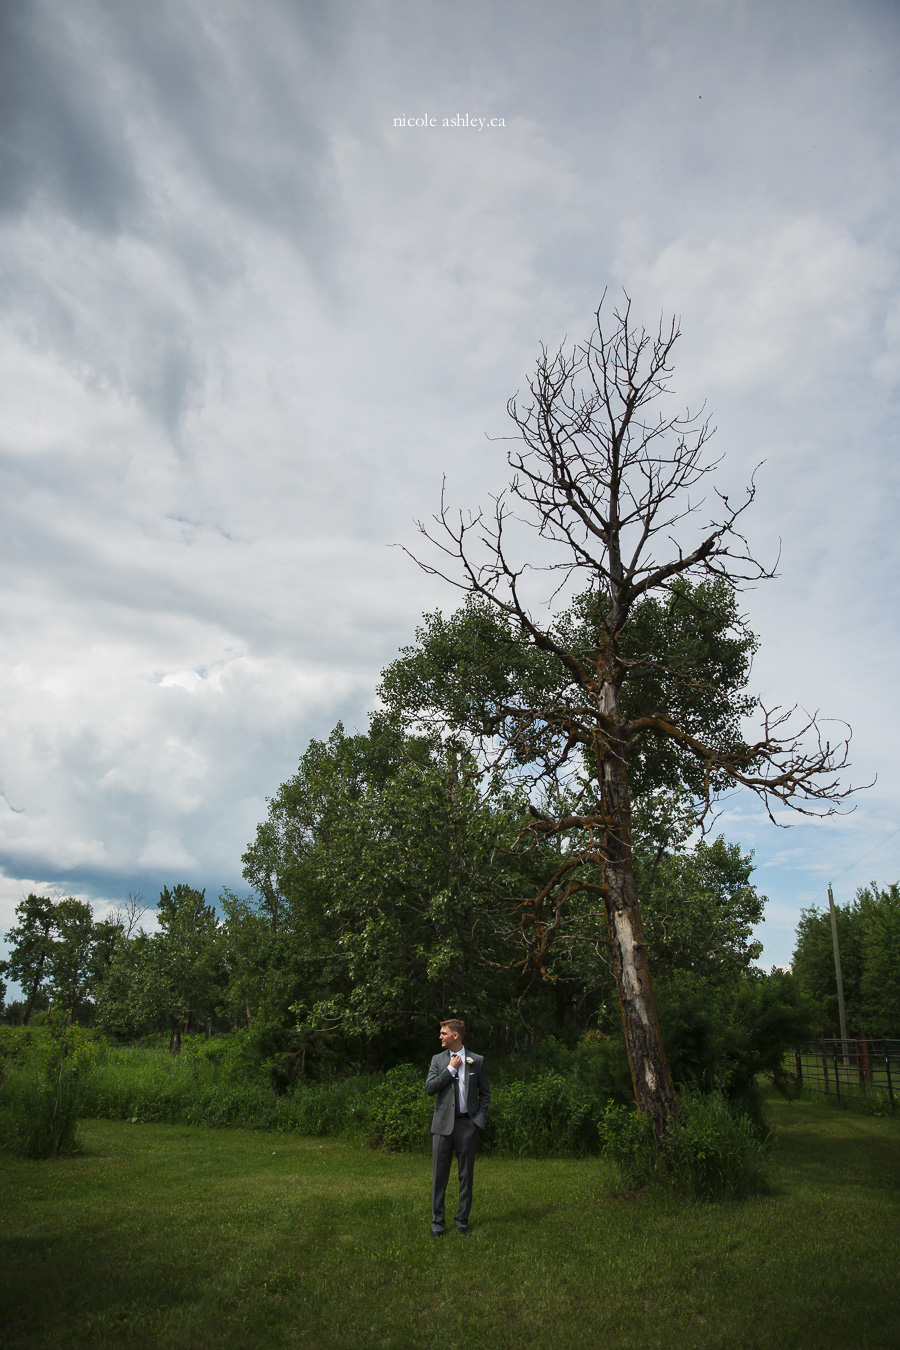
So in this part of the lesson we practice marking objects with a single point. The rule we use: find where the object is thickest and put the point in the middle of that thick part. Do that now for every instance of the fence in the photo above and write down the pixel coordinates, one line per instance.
(849, 1069)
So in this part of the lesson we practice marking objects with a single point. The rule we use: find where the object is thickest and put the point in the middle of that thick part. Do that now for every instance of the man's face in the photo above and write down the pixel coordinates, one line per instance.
(450, 1040)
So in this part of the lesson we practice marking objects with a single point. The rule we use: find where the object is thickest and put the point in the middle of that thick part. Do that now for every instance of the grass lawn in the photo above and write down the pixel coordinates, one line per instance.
(164, 1235)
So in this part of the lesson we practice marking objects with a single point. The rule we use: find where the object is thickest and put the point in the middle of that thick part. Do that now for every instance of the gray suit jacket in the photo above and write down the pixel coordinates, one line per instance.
(441, 1083)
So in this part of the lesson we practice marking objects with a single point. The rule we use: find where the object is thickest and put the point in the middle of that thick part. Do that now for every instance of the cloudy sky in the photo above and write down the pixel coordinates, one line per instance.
(248, 323)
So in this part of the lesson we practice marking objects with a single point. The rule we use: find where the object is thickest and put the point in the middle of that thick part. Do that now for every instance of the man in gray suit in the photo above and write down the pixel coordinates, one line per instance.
(460, 1084)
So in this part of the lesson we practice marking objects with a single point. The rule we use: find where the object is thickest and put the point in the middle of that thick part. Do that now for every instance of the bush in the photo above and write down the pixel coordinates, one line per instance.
(341, 1107)
(40, 1110)
(42, 1088)
(399, 1111)
(546, 1115)
(715, 1152)
(627, 1141)
(712, 1152)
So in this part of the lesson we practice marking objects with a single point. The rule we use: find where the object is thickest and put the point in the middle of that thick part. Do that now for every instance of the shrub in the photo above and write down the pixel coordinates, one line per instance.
(399, 1111)
(712, 1152)
(628, 1144)
(41, 1091)
(546, 1115)
(39, 1115)
(339, 1107)
(715, 1152)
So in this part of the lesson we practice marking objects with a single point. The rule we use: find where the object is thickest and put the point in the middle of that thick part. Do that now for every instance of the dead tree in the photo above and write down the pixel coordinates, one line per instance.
(606, 478)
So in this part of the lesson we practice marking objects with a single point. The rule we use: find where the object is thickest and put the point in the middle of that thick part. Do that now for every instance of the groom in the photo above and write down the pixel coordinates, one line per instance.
(460, 1084)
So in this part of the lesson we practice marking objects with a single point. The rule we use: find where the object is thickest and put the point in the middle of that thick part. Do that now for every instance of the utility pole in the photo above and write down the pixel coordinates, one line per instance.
(837, 966)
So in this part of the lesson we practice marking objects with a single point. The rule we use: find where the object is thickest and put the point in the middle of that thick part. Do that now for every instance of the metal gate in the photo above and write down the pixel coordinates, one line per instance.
(858, 1067)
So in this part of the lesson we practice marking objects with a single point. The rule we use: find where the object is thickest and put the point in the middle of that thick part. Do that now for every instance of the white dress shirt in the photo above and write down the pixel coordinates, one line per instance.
(460, 1076)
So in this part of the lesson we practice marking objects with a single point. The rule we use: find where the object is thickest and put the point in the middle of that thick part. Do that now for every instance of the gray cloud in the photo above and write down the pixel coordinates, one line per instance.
(249, 324)
(58, 144)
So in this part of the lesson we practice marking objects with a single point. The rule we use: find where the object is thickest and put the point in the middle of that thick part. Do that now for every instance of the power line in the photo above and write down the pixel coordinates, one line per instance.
(823, 890)
(866, 855)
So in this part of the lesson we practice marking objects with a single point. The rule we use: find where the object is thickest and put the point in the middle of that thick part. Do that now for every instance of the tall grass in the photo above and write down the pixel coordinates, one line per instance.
(548, 1113)
(191, 1089)
(42, 1089)
(562, 1106)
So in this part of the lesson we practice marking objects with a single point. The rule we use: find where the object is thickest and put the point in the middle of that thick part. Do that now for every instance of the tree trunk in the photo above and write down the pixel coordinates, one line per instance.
(175, 1040)
(30, 1007)
(654, 1090)
(559, 1009)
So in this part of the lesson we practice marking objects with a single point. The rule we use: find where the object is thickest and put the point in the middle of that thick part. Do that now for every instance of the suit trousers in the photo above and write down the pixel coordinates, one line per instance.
(443, 1146)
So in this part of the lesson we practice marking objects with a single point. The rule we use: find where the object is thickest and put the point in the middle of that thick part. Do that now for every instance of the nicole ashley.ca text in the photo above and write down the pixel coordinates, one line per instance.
(457, 120)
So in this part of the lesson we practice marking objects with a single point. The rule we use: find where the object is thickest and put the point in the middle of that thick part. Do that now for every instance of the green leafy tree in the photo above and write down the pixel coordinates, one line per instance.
(57, 953)
(31, 948)
(604, 476)
(881, 958)
(388, 868)
(700, 909)
(172, 979)
(186, 960)
(131, 995)
(71, 953)
(813, 962)
(724, 1035)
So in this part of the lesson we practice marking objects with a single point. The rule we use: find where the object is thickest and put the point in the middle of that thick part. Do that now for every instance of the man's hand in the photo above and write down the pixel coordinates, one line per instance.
(455, 1061)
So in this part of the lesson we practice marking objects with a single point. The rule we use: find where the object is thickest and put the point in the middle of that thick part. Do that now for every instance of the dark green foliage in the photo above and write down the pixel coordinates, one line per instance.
(212, 1083)
(389, 887)
(383, 862)
(688, 656)
(881, 959)
(57, 953)
(712, 1152)
(542, 1116)
(15, 1010)
(173, 978)
(722, 1039)
(699, 908)
(42, 1076)
(31, 948)
(399, 1110)
(869, 936)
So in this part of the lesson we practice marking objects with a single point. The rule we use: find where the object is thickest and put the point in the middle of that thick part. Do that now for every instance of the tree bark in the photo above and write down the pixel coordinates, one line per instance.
(34, 993)
(651, 1077)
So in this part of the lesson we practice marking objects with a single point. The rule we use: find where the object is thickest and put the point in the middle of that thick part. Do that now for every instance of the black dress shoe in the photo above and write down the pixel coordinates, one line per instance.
(437, 1233)
(463, 1232)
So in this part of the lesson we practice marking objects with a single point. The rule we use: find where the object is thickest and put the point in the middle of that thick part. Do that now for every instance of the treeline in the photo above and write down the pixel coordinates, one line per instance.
(869, 941)
(398, 877)
(388, 891)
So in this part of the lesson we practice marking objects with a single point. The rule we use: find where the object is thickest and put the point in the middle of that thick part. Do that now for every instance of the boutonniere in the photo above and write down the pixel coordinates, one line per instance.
(469, 1059)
